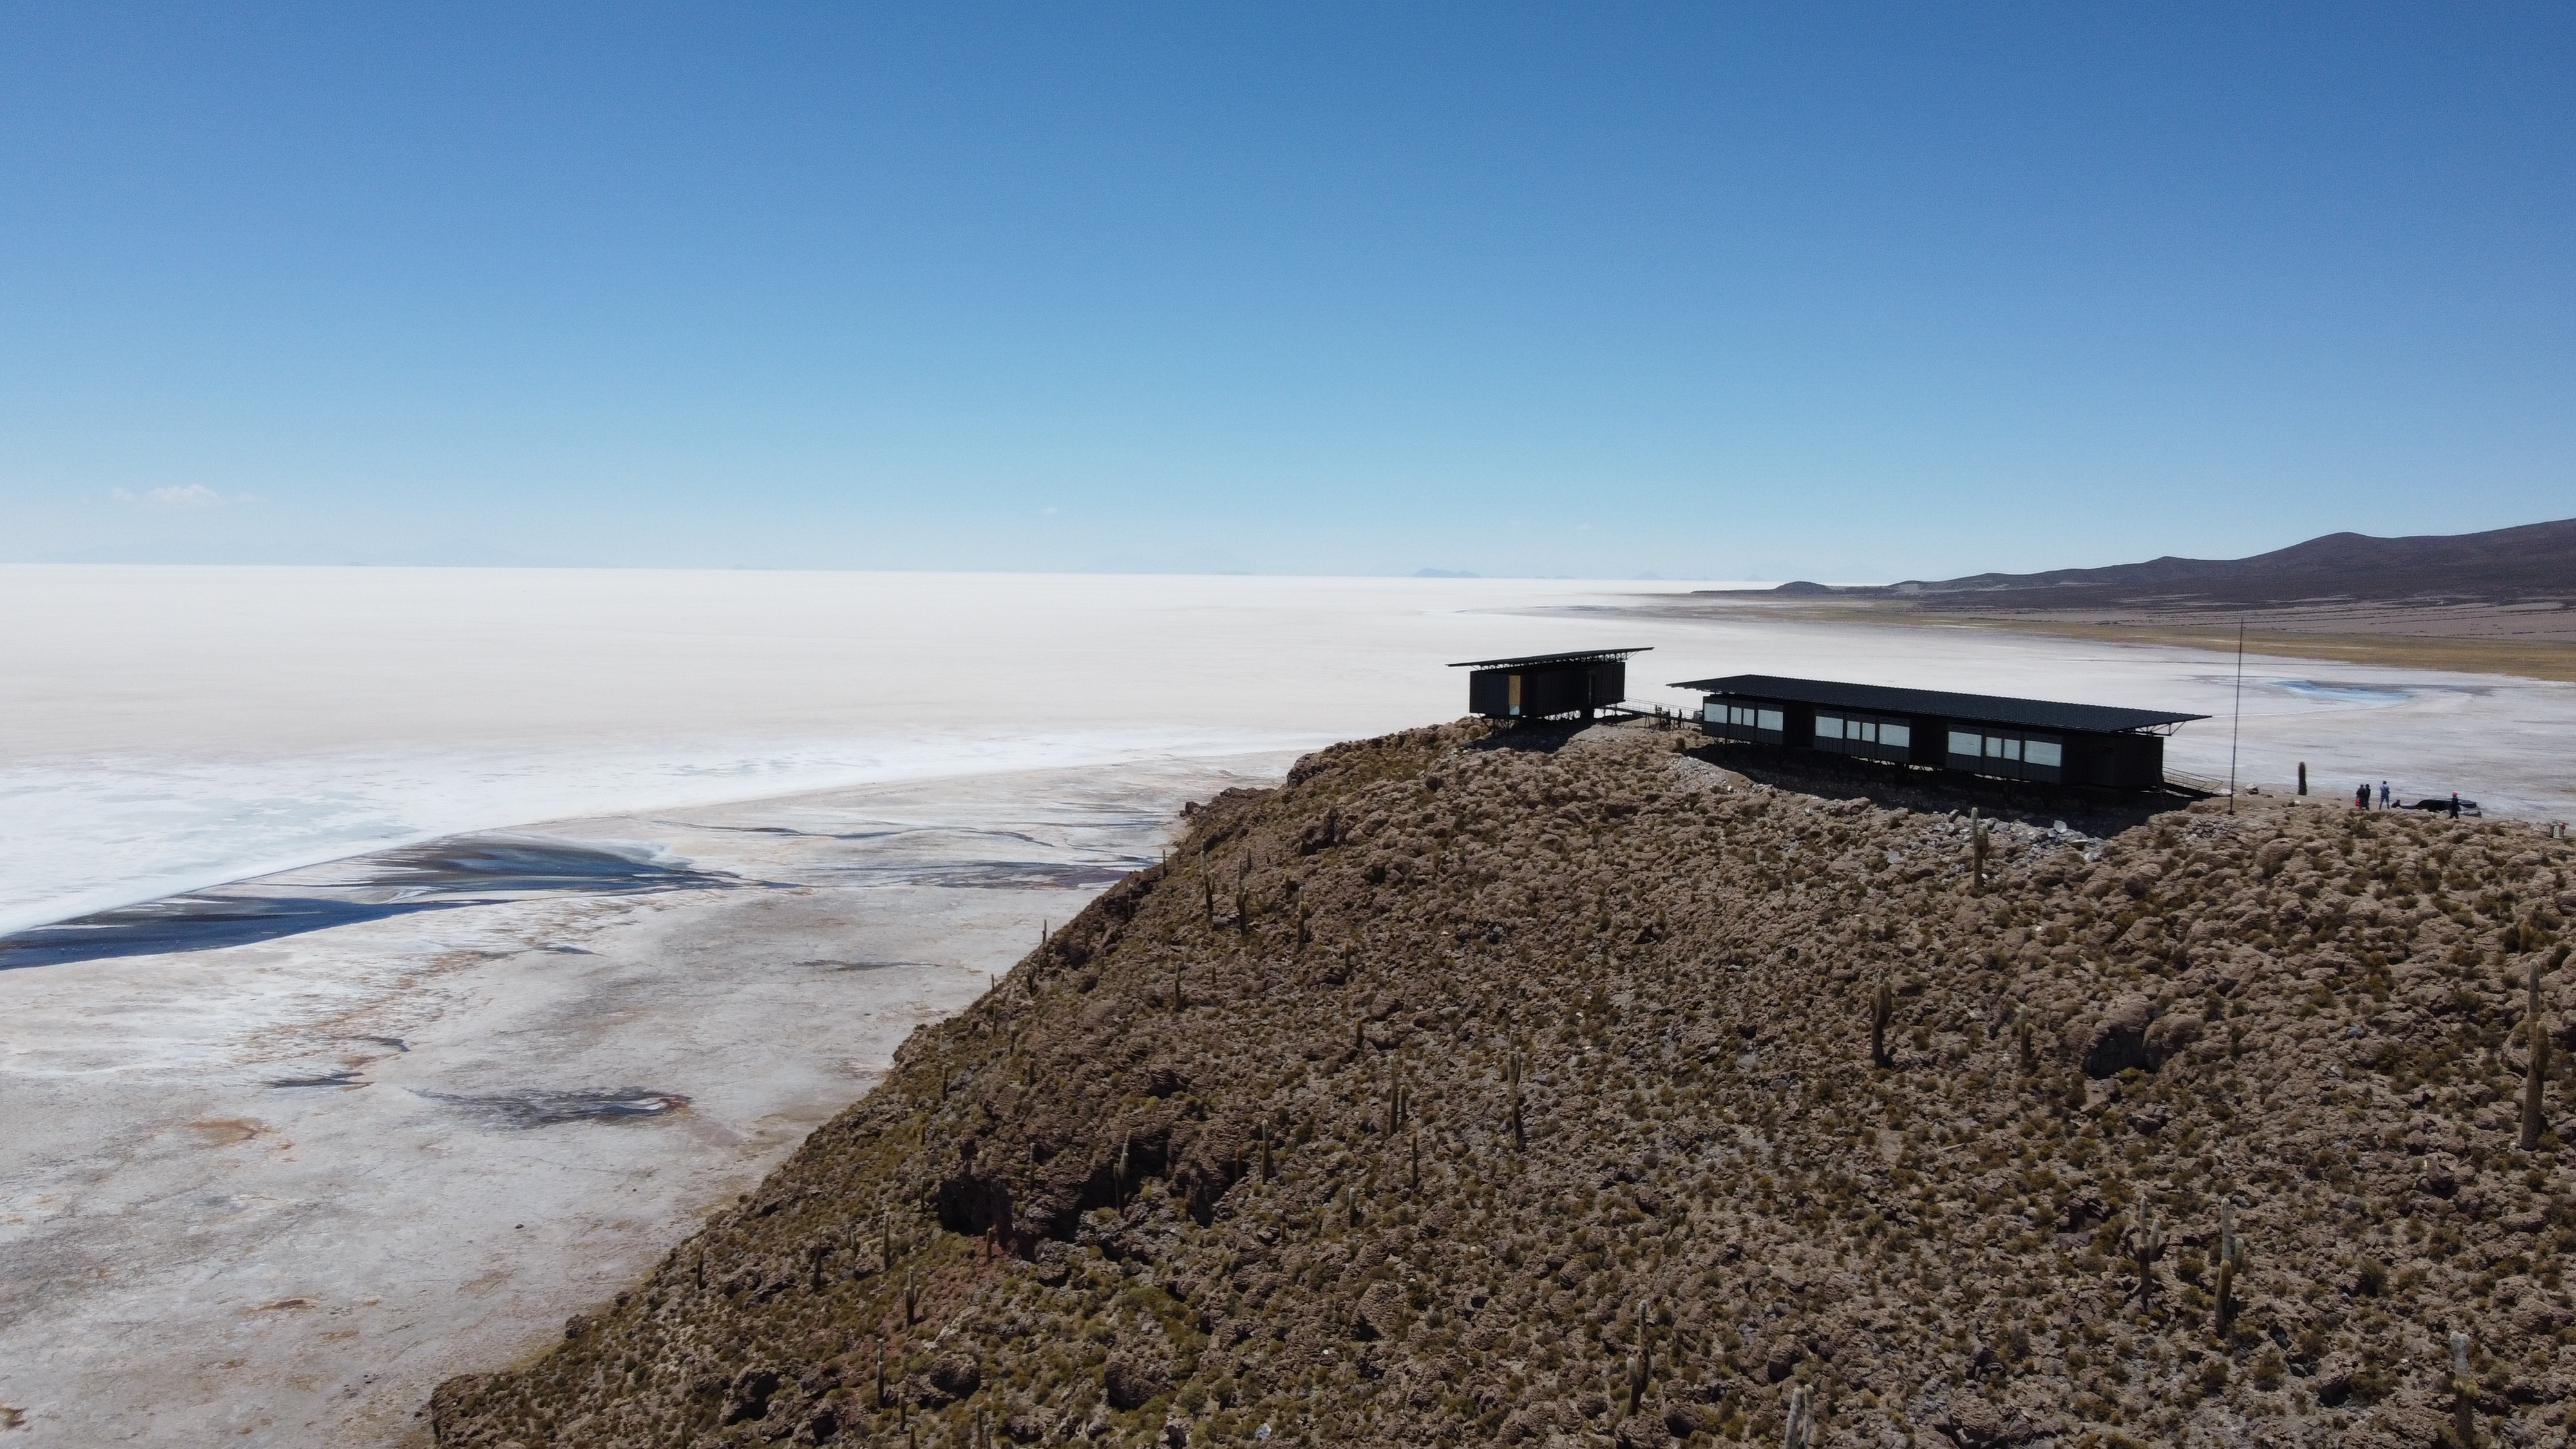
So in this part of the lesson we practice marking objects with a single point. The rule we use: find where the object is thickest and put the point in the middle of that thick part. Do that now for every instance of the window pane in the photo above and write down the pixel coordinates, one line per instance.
(1963, 743)
(1710, 711)
(1995, 746)
(2044, 752)
(2012, 749)
(1771, 720)
(1829, 727)
(1900, 736)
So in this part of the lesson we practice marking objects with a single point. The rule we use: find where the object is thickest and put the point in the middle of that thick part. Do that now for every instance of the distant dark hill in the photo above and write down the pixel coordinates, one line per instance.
(2506, 565)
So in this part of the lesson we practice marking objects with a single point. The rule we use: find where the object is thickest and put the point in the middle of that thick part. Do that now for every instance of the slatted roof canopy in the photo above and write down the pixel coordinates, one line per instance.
(2042, 714)
(1579, 656)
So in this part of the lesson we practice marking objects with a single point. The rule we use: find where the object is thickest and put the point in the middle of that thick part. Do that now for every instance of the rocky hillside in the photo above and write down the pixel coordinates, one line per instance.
(1536, 1089)
(2534, 562)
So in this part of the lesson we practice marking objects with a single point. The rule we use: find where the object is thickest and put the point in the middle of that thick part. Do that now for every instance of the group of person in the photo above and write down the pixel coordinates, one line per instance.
(2361, 798)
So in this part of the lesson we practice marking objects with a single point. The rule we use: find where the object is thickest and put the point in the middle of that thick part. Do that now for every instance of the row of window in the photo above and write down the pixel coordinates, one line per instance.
(1894, 734)
(1885, 732)
(1744, 715)
(2048, 754)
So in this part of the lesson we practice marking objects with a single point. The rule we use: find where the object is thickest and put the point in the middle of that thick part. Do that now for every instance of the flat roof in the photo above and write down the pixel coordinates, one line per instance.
(2046, 714)
(1579, 656)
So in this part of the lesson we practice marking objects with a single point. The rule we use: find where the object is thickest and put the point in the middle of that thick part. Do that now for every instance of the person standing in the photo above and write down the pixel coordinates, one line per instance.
(2361, 796)
(2383, 794)
(2455, 804)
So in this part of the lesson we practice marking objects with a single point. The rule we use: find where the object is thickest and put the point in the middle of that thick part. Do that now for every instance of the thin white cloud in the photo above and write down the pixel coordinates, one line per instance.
(191, 495)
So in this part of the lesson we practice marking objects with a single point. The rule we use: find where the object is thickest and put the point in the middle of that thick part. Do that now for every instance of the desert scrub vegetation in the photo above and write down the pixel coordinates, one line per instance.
(1476, 1088)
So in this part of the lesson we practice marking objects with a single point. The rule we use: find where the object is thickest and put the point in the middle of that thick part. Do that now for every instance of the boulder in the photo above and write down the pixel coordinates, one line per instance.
(1131, 1380)
(2117, 1039)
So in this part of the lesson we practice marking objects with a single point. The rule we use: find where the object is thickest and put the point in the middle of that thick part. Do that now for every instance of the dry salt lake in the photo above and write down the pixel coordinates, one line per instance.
(394, 962)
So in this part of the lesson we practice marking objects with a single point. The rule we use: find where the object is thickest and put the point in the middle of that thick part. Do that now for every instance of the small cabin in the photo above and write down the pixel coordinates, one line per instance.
(1546, 686)
(2039, 740)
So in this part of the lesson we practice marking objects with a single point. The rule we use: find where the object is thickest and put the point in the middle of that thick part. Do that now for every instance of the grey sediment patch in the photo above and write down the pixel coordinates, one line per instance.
(988, 874)
(543, 1109)
(464, 870)
(345, 1078)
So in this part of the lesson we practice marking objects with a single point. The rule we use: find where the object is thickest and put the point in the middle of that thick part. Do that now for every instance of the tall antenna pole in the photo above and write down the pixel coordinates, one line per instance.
(2238, 723)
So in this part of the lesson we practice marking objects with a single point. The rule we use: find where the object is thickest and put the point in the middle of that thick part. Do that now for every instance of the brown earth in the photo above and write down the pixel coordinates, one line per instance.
(2349, 574)
(1522, 1088)
(2499, 602)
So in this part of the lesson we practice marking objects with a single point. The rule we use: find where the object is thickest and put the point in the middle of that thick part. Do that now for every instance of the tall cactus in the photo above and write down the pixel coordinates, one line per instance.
(1980, 844)
(2464, 1408)
(1801, 1422)
(2231, 1266)
(1641, 1364)
(2535, 1074)
(1882, 1010)
(2146, 1245)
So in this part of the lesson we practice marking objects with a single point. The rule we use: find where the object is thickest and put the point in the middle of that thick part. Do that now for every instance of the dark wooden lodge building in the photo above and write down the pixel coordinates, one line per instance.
(1541, 685)
(1979, 734)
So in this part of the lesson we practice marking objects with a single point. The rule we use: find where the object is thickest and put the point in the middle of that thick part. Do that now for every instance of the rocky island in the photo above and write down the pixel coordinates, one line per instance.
(1602, 1086)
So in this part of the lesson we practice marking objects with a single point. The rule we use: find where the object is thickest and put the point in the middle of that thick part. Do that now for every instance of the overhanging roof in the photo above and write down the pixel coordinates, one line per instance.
(2045, 714)
(1579, 656)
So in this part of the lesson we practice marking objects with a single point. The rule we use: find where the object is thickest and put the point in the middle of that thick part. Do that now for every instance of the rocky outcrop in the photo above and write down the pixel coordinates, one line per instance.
(1519, 1089)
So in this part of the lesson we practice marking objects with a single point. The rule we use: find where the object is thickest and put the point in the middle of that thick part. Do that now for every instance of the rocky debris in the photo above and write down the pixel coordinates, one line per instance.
(1132, 1382)
(1499, 1088)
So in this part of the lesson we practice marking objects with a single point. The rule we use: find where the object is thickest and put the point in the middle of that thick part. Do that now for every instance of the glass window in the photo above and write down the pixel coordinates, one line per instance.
(1771, 720)
(1864, 729)
(1712, 712)
(2043, 752)
(1964, 743)
(1897, 735)
(1829, 727)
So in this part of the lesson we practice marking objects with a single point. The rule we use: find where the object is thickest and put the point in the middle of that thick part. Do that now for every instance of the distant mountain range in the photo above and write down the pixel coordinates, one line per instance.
(2531, 564)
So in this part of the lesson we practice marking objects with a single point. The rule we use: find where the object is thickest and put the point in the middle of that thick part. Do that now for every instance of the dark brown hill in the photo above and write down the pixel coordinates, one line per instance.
(2503, 566)
(1473, 1090)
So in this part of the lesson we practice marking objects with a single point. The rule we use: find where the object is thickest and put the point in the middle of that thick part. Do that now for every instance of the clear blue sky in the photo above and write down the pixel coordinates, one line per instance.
(1705, 290)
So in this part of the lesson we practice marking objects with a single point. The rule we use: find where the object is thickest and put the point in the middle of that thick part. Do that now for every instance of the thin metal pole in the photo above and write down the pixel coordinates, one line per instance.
(2238, 723)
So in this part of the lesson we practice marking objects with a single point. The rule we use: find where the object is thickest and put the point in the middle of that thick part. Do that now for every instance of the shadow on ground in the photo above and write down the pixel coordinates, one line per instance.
(2094, 812)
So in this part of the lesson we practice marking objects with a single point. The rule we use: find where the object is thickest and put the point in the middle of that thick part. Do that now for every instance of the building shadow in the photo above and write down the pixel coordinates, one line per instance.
(1889, 786)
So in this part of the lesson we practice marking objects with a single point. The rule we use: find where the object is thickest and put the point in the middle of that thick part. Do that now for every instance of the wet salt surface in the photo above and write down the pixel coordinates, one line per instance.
(270, 1191)
(441, 875)
(2347, 693)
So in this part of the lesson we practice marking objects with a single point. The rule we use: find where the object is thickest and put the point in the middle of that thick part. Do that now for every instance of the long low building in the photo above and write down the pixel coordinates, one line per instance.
(2040, 740)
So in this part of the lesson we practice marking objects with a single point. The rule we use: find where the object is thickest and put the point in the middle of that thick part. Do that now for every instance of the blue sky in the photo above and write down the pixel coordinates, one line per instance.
(1711, 291)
